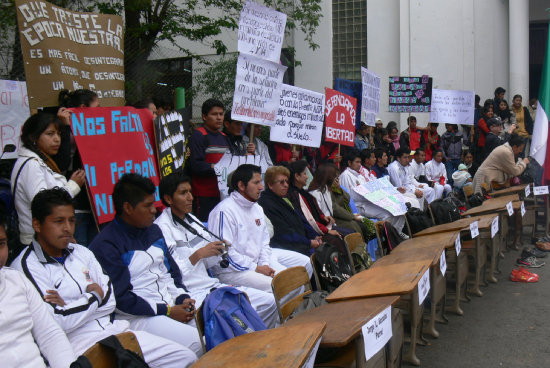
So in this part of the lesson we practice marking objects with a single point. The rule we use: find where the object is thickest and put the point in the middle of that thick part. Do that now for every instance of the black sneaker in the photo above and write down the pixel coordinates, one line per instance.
(530, 262)
(532, 252)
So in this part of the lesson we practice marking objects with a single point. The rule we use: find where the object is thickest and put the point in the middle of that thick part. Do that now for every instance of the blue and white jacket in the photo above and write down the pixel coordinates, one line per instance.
(145, 277)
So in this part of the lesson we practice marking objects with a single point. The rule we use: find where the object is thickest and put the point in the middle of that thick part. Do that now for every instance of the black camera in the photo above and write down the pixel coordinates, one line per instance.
(224, 263)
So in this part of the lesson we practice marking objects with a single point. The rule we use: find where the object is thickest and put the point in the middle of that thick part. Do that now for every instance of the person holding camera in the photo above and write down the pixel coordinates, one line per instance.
(195, 249)
(147, 282)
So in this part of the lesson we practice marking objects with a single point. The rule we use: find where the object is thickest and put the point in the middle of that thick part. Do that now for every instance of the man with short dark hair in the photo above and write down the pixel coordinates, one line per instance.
(195, 249)
(29, 331)
(72, 282)
(208, 144)
(241, 221)
(147, 282)
(411, 137)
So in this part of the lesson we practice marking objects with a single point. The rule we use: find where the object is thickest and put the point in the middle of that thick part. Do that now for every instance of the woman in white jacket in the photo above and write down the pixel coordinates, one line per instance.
(35, 169)
(436, 172)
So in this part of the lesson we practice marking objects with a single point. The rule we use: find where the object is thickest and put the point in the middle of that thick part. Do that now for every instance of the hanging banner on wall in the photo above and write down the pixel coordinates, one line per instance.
(340, 112)
(452, 107)
(300, 117)
(14, 110)
(113, 141)
(63, 49)
(410, 94)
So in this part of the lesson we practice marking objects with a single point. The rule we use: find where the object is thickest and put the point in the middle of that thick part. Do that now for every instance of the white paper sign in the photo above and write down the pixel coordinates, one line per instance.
(370, 101)
(494, 227)
(377, 332)
(527, 190)
(540, 190)
(474, 229)
(424, 287)
(261, 31)
(299, 118)
(510, 208)
(14, 110)
(258, 87)
(452, 107)
(443, 263)
(522, 209)
(458, 245)
(228, 163)
(383, 194)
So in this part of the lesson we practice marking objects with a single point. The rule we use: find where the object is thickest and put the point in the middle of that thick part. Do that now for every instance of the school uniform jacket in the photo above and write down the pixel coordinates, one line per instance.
(400, 177)
(241, 222)
(145, 277)
(86, 317)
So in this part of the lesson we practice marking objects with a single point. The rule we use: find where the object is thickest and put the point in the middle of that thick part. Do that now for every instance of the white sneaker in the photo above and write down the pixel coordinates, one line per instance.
(403, 236)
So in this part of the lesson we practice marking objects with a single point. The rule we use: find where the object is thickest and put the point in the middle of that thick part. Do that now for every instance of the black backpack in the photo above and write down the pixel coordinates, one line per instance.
(533, 173)
(444, 211)
(333, 266)
(124, 357)
(389, 237)
(476, 200)
(418, 220)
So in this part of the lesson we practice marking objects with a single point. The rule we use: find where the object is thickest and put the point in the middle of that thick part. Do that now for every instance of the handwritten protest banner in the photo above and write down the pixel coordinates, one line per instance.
(261, 31)
(300, 117)
(228, 163)
(452, 107)
(14, 110)
(63, 49)
(258, 86)
(340, 111)
(410, 94)
(377, 332)
(113, 141)
(171, 142)
(370, 104)
(383, 194)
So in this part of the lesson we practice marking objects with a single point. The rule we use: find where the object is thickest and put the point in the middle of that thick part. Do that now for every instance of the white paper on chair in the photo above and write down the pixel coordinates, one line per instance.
(458, 245)
(474, 229)
(522, 209)
(377, 332)
(527, 190)
(443, 263)
(494, 227)
(510, 208)
(540, 190)
(424, 287)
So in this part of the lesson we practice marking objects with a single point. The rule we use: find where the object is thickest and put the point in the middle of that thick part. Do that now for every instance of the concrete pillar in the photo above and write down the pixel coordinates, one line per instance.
(519, 49)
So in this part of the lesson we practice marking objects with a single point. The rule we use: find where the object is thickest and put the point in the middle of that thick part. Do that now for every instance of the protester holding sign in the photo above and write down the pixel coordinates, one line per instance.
(208, 145)
(260, 148)
(351, 178)
(232, 129)
(35, 169)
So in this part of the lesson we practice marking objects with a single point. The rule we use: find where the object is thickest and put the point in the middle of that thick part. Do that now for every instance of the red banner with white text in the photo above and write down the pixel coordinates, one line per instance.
(340, 111)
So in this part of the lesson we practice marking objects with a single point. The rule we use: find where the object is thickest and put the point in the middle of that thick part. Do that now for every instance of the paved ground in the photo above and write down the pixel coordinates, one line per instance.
(508, 327)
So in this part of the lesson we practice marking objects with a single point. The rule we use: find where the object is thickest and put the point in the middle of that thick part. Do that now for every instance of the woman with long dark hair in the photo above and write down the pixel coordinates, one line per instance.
(35, 169)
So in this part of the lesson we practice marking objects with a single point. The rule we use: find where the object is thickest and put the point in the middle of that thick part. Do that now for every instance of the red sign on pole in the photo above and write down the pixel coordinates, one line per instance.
(113, 141)
(340, 112)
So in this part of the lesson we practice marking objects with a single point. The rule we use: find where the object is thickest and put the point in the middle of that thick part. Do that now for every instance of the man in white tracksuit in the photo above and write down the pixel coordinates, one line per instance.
(72, 282)
(195, 249)
(240, 221)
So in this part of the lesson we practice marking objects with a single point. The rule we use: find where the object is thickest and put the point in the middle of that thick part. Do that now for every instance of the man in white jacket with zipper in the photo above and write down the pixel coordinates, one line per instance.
(80, 296)
(195, 249)
(240, 221)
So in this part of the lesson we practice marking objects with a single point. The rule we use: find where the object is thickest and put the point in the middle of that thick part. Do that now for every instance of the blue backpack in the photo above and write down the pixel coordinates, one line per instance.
(227, 313)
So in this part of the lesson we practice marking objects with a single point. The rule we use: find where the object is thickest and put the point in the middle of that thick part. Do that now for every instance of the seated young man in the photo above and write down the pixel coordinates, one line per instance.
(146, 280)
(195, 249)
(72, 283)
(29, 332)
(240, 221)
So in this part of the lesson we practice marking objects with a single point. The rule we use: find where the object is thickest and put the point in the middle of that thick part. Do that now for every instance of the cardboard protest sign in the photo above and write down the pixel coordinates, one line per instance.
(340, 111)
(171, 142)
(410, 94)
(383, 194)
(261, 31)
(258, 86)
(300, 117)
(452, 107)
(113, 141)
(370, 104)
(228, 163)
(14, 110)
(63, 49)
